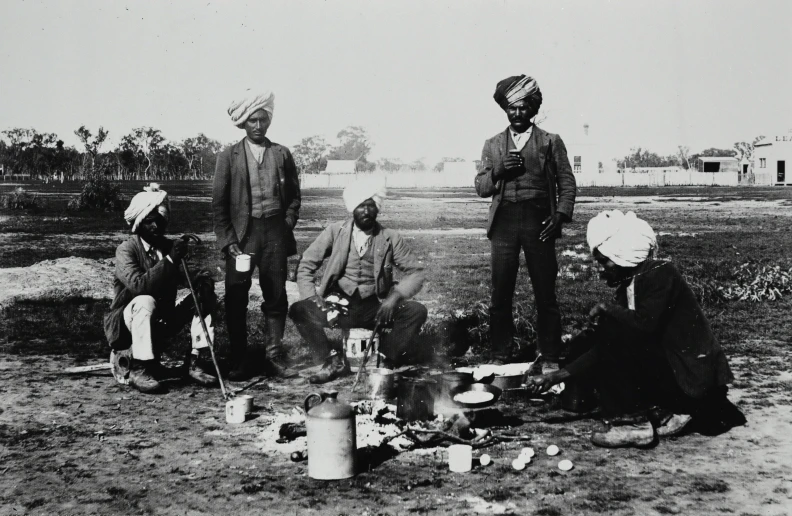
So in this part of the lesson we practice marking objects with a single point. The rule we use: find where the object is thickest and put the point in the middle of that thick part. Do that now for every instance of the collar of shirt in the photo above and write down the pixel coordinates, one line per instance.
(631, 295)
(520, 139)
(360, 239)
(256, 149)
(147, 247)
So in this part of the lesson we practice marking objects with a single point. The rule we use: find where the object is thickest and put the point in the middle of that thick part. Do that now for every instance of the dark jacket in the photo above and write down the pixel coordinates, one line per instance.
(231, 197)
(390, 250)
(552, 159)
(668, 317)
(136, 274)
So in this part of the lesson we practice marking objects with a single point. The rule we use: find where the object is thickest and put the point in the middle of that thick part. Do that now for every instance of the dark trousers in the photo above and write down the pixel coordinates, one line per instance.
(266, 242)
(517, 227)
(399, 345)
(169, 322)
(631, 373)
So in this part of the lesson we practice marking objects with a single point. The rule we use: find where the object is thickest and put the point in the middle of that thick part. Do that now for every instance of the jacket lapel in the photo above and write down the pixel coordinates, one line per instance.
(380, 243)
(240, 164)
(345, 241)
(542, 142)
(503, 144)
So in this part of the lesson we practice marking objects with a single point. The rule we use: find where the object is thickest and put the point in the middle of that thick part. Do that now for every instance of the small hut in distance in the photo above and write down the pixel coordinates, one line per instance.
(341, 166)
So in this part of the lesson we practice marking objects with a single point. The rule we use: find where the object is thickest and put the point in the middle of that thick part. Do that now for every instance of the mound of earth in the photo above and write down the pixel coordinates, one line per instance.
(72, 278)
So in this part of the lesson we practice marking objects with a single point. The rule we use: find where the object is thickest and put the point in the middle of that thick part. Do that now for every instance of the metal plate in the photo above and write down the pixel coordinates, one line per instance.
(476, 387)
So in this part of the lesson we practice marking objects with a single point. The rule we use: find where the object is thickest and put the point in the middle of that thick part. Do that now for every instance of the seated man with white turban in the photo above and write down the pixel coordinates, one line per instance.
(144, 309)
(361, 256)
(650, 352)
(256, 204)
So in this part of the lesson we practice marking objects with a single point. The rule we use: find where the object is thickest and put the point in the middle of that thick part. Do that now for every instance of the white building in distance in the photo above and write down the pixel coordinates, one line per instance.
(585, 152)
(771, 155)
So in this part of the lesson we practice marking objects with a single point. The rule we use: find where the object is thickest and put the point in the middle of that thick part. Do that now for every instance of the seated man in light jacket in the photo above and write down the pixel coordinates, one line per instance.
(361, 258)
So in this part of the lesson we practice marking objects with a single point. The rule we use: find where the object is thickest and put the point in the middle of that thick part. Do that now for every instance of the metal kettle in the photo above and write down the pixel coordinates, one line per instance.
(332, 440)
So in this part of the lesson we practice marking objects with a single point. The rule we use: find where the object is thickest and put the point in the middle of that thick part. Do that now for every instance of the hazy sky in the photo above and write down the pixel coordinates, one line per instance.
(419, 76)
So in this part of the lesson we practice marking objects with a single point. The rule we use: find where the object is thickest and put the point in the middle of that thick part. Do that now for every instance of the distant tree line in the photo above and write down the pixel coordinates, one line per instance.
(144, 153)
(640, 157)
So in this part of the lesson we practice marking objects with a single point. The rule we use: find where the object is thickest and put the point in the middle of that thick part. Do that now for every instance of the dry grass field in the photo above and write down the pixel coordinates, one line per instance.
(84, 445)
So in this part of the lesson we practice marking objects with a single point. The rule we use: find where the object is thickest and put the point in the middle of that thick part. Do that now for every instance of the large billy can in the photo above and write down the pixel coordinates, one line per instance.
(332, 441)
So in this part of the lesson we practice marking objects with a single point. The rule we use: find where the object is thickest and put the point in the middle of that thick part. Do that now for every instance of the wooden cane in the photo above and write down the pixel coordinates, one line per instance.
(205, 330)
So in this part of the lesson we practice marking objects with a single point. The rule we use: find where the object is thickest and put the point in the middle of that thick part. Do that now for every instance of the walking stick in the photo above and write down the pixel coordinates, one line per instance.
(200, 316)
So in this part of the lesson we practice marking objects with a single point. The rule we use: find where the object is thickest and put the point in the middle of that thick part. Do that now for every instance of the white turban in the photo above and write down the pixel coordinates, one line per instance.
(144, 203)
(248, 103)
(367, 187)
(625, 239)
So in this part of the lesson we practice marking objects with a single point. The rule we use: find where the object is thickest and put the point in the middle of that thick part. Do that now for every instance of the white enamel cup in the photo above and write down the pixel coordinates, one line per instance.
(243, 263)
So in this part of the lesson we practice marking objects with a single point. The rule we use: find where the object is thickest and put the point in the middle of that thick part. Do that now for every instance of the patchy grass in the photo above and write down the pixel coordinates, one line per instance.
(175, 451)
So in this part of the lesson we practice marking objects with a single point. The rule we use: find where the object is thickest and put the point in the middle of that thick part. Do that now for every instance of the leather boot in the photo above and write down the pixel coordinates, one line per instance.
(142, 378)
(276, 364)
(334, 367)
(247, 368)
(675, 425)
(638, 436)
(202, 369)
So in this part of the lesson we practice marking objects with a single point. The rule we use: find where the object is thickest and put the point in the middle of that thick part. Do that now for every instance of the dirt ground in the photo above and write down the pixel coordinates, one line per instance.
(80, 444)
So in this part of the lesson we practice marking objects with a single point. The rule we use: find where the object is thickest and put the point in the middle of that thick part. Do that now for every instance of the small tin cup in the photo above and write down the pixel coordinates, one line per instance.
(235, 411)
(460, 458)
(243, 263)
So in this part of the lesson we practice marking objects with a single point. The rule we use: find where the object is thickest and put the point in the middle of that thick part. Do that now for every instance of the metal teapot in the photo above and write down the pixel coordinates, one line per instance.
(332, 440)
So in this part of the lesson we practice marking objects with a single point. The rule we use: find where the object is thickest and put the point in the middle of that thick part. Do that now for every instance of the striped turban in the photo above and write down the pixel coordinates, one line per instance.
(248, 103)
(516, 88)
(145, 202)
(624, 238)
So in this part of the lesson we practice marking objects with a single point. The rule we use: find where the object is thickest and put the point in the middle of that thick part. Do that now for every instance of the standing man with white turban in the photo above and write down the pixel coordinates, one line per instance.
(362, 255)
(144, 308)
(650, 352)
(256, 204)
(527, 173)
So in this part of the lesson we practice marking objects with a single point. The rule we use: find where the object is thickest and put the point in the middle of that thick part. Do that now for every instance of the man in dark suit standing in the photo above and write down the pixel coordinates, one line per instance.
(528, 175)
(256, 204)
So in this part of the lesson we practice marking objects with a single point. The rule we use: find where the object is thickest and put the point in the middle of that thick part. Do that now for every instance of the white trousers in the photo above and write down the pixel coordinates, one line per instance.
(138, 317)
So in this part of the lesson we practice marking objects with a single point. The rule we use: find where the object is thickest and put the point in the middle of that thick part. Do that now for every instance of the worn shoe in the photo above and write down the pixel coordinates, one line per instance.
(142, 379)
(637, 436)
(244, 371)
(162, 372)
(334, 367)
(675, 425)
(201, 369)
(278, 367)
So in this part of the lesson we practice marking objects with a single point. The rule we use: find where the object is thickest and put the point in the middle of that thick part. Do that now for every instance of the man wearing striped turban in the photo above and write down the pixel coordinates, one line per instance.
(527, 173)
(650, 352)
(144, 309)
(256, 204)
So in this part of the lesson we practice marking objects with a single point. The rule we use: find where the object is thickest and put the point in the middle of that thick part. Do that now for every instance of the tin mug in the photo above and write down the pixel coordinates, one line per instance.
(243, 263)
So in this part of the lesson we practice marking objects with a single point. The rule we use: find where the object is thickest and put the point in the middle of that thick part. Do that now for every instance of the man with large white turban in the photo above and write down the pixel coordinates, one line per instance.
(256, 204)
(144, 309)
(361, 256)
(650, 352)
